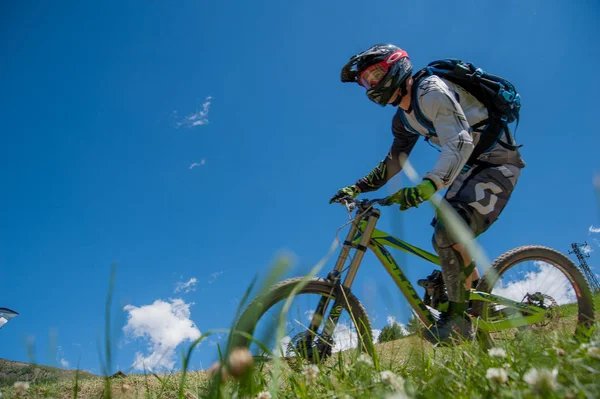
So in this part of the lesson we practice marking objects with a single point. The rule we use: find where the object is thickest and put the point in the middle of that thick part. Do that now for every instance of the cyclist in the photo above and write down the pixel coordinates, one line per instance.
(479, 181)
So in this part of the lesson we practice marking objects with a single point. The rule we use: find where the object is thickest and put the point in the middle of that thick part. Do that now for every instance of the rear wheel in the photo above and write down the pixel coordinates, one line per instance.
(539, 276)
(299, 344)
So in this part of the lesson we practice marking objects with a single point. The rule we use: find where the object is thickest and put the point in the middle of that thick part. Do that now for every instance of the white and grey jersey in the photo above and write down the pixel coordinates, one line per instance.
(452, 111)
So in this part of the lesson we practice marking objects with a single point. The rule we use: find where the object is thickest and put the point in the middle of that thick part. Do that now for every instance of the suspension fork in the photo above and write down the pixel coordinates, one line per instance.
(334, 276)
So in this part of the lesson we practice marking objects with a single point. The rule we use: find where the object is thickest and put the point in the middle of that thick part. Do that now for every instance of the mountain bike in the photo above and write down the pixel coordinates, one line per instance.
(328, 317)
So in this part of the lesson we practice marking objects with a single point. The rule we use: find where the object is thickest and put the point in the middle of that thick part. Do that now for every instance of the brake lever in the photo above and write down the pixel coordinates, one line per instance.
(349, 203)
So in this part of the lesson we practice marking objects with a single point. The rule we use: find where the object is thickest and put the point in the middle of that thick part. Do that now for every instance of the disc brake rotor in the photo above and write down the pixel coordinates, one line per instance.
(552, 313)
(308, 347)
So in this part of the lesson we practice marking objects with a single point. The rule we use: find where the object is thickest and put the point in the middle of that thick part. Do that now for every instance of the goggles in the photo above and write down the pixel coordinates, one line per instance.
(374, 74)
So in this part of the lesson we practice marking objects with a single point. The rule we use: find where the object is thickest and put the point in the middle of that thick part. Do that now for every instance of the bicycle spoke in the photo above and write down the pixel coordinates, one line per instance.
(535, 276)
(540, 278)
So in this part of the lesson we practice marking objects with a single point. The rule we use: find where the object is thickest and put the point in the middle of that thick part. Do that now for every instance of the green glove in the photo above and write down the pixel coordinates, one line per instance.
(411, 196)
(349, 191)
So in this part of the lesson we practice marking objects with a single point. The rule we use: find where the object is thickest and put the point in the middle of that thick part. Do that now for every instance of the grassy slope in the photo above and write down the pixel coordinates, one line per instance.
(16, 371)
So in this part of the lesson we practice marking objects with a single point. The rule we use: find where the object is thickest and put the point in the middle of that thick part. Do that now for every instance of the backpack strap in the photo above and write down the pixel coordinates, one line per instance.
(414, 103)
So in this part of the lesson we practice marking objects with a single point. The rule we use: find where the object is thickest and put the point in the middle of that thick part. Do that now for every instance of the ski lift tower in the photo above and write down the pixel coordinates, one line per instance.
(583, 266)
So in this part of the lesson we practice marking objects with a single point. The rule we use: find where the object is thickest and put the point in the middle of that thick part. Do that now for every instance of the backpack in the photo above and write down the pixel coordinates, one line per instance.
(497, 94)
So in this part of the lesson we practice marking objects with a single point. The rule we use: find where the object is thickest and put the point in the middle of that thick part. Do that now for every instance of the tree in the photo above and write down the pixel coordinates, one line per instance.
(390, 332)
(413, 326)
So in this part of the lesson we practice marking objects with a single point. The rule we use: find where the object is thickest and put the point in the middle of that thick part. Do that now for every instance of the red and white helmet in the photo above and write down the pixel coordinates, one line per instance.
(382, 69)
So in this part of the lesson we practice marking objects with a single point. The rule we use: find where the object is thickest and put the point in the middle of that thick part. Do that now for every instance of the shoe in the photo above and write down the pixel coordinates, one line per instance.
(449, 328)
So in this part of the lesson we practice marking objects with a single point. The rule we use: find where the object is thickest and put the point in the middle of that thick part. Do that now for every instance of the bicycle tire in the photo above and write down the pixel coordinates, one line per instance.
(585, 302)
(281, 291)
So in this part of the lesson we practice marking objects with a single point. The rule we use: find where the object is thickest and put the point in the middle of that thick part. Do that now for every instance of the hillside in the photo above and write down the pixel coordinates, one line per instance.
(11, 371)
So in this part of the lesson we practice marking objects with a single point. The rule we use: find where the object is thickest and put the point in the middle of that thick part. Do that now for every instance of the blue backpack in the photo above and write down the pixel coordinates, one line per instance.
(497, 94)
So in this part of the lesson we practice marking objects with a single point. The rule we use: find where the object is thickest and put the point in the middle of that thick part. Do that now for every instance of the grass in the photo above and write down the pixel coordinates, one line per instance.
(408, 367)
(542, 362)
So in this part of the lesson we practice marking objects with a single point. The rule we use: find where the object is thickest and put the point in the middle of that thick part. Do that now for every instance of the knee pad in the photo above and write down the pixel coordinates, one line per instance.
(452, 264)
(442, 244)
(441, 237)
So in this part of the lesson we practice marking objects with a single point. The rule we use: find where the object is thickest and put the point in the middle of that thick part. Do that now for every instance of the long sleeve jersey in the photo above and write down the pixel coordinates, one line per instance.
(452, 111)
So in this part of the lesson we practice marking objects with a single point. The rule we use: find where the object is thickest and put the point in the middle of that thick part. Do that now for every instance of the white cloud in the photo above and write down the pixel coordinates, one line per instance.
(345, 337)
(593, 229)
(547, 280)
(376, 334)
(60, 357)
(198, 118)
(283, 347)
(587, 249)
(214, 276)
(164, 325)
(187, 286)
(201, 163)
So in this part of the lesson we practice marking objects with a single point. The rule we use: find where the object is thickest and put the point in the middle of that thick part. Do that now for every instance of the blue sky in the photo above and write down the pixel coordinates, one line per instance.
(194, 141)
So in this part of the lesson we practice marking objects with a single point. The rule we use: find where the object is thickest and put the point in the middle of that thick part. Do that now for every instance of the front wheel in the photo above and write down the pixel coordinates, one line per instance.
(538, 276)
(299, 343)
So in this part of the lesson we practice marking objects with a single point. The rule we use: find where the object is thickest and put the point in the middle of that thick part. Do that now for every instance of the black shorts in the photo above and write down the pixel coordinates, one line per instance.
(480, 194)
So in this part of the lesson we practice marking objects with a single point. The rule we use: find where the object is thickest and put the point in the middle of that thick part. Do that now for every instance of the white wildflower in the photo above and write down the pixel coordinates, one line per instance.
(542, 379)
(264, 395)
(364, 358)
(311, 372)
(389, 378)
(496, 375)
(497, 352)
(21, 386)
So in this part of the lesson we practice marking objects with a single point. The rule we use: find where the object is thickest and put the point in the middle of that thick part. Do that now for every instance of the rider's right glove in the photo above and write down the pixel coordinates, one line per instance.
(349, 191)
(411, 196)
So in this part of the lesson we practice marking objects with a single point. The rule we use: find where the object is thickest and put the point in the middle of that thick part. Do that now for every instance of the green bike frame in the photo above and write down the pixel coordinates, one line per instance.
(363, 235)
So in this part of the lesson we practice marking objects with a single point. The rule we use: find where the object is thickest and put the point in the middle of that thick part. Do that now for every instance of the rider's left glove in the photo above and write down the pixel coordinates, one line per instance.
(411, 196)
(349, 191)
